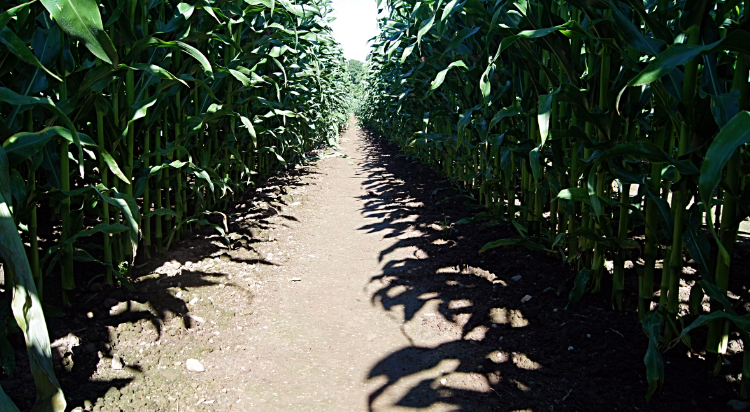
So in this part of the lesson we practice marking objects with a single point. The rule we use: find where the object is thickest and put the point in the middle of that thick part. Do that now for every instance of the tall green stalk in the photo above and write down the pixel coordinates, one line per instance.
(680, 192)
(103, 173)
(68, 280)
(718, 337)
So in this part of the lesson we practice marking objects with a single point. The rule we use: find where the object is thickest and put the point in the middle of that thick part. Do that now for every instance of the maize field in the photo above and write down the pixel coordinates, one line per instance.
(126, 123)
(602, 131)
(610, 134)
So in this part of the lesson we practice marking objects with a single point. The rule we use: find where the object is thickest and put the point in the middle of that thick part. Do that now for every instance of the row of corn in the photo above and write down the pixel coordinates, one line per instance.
(602, 130)
(125, 123)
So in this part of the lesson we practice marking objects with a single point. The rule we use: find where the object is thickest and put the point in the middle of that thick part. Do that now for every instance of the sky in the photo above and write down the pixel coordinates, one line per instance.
(356, 22)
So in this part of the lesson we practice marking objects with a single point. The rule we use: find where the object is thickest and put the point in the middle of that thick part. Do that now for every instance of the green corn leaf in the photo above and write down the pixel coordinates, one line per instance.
(633, 35)
(151, 42)
(742, 322)
(650, 152)
(7, 405)
(737, 41)
(112, 164)
(654, 363)
(393, 47)
(125, 203)
(441, 74)
(83, 138)
(240, 77)
(545, 111)
(460, 37)
(465, 120)
(675, 55)
(81, 20)
(726, 312)
(576, 194)
(100, 228)
(138, 111)
(25, 304)
(161, 212)
(503, 113)
(17, 187)
(84, 256)
(47, 48)
(484, 82)
(725, 106)
(665, 212)
(180, 15)
(697, 245)
(287, 113)
(17, 47)
(115, 15)
(226, 40)
(155, 70)
(528, 34)
(7, 15)
(534, 162)
(204, 86)
(579, 286)
(250, 128)
(278, 156)
(11, 97)
(499, 243)
(196, 54)
(267, 3)
(717, 295)
(407, 52)
(205, 5)
(591, 188)
(203, 175)
(24, 145)
(733, 135)
(98, 78)
(659, 30)
(303, 11)
(448, 9)
(131, 214)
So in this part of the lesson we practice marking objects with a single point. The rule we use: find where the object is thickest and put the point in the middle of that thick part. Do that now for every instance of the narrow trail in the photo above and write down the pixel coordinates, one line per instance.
(321, 341)
(319, 337)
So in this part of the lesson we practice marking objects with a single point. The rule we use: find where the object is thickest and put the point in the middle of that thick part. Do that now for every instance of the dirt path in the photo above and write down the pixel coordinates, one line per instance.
(319, 337)
(316, 335)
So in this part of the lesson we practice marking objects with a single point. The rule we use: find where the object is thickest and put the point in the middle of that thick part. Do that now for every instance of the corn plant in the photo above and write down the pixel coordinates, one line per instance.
(126, 123)
(580, 122)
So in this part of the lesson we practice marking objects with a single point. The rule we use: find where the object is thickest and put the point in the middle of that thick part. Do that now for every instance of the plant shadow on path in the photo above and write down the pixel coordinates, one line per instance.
(447, 301)
(105, 321)
(477, 342)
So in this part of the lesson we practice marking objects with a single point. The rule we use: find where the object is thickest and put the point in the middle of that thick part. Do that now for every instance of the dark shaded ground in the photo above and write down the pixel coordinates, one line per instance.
(534, 355)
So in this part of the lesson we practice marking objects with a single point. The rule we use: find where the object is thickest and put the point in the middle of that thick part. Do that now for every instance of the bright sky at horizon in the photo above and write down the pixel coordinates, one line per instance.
(356, 22)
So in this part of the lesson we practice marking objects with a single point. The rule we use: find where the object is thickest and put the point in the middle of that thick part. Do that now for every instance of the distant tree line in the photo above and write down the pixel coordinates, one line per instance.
(356, 70)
